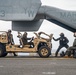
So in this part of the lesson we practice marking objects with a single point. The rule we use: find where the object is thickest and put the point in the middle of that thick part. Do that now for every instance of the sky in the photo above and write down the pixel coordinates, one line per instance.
(47, 26)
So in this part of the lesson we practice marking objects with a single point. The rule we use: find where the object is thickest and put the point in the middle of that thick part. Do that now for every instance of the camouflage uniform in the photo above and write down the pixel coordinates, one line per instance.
(10, 39)
(74, 44)
(25, 40)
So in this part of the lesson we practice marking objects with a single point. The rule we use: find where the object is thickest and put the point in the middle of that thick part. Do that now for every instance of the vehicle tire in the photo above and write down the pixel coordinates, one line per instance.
(4, 54)
(2, 50)
(44, 51)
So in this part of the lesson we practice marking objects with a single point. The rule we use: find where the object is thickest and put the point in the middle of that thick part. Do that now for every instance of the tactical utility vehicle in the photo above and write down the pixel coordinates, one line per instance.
(41, 45)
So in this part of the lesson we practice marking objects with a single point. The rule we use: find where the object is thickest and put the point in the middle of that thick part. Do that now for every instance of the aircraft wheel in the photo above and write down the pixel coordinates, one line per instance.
(44, 51)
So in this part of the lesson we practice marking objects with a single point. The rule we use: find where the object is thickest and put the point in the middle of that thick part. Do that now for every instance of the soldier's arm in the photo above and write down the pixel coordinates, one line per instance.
(56, 39)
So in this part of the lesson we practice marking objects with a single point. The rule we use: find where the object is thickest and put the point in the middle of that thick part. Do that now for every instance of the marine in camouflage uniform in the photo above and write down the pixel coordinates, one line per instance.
(10, 39)
(25, 40)
(74, 44)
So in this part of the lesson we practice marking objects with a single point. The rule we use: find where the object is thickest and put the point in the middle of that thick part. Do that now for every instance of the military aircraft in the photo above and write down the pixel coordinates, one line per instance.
(28, 15)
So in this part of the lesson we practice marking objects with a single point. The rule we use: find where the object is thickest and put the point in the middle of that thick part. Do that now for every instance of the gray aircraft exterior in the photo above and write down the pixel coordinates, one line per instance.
(28, 15)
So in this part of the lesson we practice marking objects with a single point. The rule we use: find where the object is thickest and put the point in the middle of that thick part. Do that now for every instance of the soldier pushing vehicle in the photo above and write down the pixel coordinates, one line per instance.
(63, 42)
